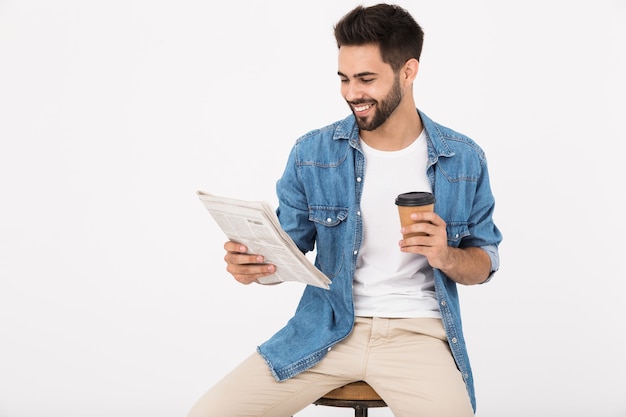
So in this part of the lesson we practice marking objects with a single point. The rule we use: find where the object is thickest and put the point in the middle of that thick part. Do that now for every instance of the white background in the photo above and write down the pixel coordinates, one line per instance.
(114, 300)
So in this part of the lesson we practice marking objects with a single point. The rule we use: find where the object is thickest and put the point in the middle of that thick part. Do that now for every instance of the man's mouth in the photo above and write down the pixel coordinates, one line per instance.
(362, 107)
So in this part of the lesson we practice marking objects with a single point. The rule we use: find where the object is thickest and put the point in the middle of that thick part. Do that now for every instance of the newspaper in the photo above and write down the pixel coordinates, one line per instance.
(254, 224)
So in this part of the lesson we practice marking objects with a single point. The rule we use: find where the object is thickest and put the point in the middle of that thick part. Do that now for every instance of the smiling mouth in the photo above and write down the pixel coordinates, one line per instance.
(362, 107)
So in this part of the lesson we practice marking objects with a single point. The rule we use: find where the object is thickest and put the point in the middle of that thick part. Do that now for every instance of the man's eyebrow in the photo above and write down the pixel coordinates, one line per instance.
(358, 75)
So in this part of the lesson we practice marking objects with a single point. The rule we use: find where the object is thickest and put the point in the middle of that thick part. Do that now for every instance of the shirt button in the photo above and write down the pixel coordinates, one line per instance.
(358, 179)
(454, 340)
(457, 235)
(355, 252)
(329, 349)
(329, 220)
(443, 303)
(358, 213)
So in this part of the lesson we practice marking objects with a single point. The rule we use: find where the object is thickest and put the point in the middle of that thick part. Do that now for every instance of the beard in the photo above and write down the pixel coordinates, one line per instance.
(383, 109)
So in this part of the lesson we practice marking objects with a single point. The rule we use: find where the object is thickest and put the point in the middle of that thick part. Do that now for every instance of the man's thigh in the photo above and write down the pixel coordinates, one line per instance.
(250, 390)
(412, 368)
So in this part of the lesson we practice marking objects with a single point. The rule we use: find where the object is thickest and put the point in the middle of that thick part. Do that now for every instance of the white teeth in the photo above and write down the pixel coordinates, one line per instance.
(362, 108)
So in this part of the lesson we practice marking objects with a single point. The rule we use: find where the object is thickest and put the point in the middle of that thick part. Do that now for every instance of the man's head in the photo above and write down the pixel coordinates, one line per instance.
(379, 50)
(392, 28)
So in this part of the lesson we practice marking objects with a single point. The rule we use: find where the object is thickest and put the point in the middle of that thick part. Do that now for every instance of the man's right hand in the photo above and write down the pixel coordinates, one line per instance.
(245, 267)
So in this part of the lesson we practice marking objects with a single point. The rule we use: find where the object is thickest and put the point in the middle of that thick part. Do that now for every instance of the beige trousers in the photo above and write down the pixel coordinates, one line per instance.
(407, 361)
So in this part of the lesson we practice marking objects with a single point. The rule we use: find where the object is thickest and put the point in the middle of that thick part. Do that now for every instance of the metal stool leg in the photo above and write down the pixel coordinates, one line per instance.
(360, 412)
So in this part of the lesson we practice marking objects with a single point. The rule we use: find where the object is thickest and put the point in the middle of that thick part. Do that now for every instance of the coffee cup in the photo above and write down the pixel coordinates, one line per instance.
(412, 202)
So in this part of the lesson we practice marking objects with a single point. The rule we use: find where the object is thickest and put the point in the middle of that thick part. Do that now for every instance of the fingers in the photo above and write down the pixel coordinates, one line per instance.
(428, 231)
(425, 224)
(428, 216)
(231, 246)
(245, 268)
(419, 234)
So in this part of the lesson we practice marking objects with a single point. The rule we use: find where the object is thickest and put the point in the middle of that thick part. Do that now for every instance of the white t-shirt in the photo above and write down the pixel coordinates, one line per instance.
(387, 282)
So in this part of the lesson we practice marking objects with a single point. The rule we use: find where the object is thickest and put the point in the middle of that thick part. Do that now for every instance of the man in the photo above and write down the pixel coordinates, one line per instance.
(391, 316)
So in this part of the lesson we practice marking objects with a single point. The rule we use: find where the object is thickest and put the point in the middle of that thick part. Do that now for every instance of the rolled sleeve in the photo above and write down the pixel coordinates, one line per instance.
(492, 251)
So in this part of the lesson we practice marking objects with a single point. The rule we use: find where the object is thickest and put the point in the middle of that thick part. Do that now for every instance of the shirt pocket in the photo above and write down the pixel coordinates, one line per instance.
(332, 237)
(456, 232)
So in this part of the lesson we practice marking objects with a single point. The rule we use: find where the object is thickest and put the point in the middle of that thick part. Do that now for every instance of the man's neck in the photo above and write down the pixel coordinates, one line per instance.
(398, 132)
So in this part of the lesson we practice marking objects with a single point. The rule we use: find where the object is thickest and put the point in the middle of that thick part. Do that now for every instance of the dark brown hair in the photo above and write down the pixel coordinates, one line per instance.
(391, 27)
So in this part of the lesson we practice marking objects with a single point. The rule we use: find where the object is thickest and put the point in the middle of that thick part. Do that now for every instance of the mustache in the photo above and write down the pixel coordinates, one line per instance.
(362, 101)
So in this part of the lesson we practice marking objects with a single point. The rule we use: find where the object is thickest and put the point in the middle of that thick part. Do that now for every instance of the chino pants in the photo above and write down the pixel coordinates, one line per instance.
(407, 361)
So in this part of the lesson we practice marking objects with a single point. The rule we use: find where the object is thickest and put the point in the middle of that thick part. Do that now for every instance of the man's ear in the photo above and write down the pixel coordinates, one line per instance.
(409, 70)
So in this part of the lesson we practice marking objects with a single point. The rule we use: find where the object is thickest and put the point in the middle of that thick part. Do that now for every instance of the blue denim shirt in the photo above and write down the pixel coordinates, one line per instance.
(319, 197)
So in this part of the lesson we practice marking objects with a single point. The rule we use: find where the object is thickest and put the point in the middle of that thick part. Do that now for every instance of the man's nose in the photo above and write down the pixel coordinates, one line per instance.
(352, 92)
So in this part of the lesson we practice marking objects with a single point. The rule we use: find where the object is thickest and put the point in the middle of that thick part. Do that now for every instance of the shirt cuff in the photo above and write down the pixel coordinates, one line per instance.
(492, 251)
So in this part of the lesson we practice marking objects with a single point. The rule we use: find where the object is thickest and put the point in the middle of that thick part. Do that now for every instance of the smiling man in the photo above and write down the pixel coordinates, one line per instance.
(392, 315)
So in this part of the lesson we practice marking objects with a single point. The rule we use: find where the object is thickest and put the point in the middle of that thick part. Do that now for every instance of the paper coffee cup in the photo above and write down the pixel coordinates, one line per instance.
(412, 202)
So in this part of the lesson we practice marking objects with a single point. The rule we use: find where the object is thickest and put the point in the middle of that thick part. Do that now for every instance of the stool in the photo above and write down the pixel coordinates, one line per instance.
(358, 395)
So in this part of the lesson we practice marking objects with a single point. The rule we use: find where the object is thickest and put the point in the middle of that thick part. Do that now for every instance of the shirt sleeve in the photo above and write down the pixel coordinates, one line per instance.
(492, 251)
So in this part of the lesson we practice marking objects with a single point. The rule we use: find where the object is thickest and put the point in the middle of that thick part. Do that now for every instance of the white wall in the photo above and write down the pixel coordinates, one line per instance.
(114, 300)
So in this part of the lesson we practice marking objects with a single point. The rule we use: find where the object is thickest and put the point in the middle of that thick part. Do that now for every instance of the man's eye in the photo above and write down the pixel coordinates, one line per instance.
(367, 80)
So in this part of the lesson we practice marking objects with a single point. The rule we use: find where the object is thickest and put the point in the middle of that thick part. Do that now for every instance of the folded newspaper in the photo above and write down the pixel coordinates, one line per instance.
(254, 224)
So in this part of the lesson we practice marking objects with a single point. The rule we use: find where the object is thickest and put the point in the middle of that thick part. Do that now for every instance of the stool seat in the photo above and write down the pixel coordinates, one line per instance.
(359, 390)
(358, 395)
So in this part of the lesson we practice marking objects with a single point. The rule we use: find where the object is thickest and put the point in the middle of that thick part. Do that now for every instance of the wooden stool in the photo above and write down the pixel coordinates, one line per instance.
(358, 395)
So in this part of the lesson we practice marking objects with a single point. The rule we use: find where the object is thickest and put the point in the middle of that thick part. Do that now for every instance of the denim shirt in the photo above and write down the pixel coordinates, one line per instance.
(319, 197)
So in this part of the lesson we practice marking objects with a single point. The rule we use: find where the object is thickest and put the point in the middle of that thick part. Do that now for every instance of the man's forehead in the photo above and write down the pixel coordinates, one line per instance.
(360, 60)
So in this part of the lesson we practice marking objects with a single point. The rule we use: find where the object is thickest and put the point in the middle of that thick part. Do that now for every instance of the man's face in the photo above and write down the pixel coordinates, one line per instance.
(368, 85)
